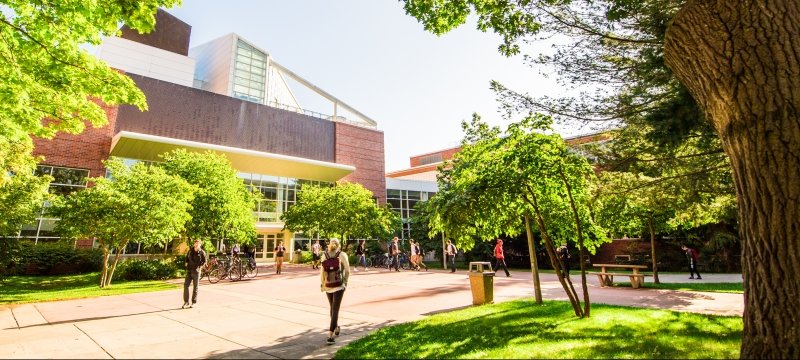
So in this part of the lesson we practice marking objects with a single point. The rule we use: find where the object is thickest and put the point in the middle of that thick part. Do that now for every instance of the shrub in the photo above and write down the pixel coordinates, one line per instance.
(132, 270)
(54, 259)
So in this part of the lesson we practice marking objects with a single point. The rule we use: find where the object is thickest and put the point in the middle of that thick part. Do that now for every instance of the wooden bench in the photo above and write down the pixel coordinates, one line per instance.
(607, 278)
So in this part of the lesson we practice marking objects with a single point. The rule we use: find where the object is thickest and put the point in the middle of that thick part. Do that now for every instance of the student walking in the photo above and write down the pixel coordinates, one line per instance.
(394, 254)
(279, 252)
(500, 259)
(564, 256)
(413, 250)
(195, 259)
(420, 256)
(692, 255)
(361, 252)
(450, 253)
(333, 281)
(316, 250)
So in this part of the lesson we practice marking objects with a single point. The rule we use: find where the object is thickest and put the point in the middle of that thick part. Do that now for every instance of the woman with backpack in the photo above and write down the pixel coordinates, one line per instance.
(333, 281)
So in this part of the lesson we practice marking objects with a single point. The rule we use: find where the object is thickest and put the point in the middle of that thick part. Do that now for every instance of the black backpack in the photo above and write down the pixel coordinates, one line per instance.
(332, 266)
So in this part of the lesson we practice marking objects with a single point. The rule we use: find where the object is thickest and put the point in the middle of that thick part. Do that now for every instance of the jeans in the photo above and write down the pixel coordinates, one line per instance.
(192, 277)
(693, 269)
(499, 263)
(451, 261)
(396, 262)
(335, 300)
(362, 259)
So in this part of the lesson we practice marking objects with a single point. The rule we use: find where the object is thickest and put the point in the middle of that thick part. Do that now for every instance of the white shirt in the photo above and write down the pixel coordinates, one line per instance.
(413, 249)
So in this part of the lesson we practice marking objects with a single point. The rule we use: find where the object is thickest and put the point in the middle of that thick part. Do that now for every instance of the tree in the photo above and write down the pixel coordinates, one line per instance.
(49, 74)
(142, 204)
(496, 180)
(623, 206)
(21, 191)
(51, 83)
(222, 207)
(343, 210)
(741, 84)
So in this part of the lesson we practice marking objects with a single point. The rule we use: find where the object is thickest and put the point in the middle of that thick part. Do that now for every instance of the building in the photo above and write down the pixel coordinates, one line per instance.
(228, 96)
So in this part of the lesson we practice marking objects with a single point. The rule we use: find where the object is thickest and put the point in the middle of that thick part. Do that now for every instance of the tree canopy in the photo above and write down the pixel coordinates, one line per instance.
(51, 83)
(222, 207)
(343, 210)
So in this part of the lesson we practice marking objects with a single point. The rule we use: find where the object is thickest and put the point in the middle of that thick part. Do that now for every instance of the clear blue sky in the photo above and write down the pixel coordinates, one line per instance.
(371, 55)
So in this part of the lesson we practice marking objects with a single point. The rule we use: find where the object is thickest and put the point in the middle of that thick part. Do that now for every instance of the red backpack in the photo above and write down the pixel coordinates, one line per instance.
(332, 266)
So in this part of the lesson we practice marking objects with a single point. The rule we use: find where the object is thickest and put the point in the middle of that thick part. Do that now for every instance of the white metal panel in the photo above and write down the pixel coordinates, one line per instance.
(141, 59)
(214, 60)
(415, 185)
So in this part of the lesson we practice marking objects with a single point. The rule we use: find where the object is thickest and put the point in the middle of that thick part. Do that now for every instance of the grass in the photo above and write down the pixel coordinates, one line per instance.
(523, 329)
(735, 288)
(27, 289)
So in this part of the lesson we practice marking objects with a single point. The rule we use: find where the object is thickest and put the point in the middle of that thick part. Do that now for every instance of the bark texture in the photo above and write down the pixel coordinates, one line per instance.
(741, 61)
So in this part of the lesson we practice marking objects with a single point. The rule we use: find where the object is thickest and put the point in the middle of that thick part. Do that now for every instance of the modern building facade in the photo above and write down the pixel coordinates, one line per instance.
(226, 96)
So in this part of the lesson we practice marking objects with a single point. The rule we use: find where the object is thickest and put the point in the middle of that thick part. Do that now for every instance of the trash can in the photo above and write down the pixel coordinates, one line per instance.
(481, 281)
(298, 257)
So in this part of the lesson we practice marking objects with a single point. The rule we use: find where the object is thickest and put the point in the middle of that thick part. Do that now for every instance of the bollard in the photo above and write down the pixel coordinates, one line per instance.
(481, 281)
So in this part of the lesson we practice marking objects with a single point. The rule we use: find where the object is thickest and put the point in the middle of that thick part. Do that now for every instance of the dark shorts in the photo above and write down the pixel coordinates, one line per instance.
(315, 257)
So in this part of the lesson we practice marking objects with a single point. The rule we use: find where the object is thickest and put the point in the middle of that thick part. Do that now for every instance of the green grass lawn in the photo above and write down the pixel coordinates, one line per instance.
(27, 289)
(694, 286)
(523, 329)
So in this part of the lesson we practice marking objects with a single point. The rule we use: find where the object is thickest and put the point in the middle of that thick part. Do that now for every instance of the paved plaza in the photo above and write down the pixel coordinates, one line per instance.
(286, 316)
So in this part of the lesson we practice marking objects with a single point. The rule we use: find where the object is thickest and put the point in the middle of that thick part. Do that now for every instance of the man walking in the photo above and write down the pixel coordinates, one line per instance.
(450, 252)
(394, 254)
(315, 254)
(195, 259)
(500, 258)
(692, 256)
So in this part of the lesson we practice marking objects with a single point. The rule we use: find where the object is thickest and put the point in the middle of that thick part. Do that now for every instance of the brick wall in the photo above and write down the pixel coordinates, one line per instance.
(362, 148)
(86, 150)
(447, 154)
(606, 253)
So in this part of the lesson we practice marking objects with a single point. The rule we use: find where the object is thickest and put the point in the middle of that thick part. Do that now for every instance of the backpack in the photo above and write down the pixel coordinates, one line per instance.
(333, 269)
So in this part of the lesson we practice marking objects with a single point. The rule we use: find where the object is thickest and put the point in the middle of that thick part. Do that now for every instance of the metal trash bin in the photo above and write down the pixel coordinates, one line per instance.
(481, 281)
(298, 257)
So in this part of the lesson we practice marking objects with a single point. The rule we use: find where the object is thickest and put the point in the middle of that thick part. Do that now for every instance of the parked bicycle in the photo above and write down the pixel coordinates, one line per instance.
(218, 268)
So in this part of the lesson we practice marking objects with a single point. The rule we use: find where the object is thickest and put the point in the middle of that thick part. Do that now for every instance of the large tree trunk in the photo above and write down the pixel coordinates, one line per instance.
(537, 286)
(741, 62)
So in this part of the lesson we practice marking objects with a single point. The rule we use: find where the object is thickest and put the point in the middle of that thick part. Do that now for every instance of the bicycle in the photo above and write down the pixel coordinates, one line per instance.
(250, 268)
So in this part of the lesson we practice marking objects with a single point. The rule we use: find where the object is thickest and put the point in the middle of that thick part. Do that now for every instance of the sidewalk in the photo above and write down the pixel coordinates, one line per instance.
(284, 316)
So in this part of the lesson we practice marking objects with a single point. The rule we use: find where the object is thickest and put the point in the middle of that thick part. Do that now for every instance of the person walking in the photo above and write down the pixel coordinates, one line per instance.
(500, 259)
(563, 255)
(450, 253)
(420, 256)
(413, 250)
(316, 249)
(361, 252)
(394, 254)
(334, 276)
(195, 259)
(692, 255)
(279, 251)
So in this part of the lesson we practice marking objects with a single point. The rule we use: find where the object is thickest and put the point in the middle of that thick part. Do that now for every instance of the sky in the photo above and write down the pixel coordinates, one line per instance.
(369, 54)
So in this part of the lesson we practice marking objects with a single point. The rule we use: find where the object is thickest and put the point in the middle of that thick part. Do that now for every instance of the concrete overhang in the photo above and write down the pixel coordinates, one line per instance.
(149, 147)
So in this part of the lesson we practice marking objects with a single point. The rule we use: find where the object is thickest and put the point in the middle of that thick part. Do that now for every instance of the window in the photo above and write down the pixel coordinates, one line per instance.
(250, 74)
(65, 181)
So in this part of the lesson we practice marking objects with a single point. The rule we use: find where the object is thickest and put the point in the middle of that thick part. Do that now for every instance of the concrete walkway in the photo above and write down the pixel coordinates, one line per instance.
(285, 316)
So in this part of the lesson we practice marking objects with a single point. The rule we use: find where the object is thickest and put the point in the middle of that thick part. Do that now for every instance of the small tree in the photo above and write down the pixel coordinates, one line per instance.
(142, 203)
(343, 210)
(222, 207)
(21, 192)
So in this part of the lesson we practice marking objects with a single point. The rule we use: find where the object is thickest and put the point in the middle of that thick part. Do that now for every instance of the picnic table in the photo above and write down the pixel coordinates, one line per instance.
(607, 278)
